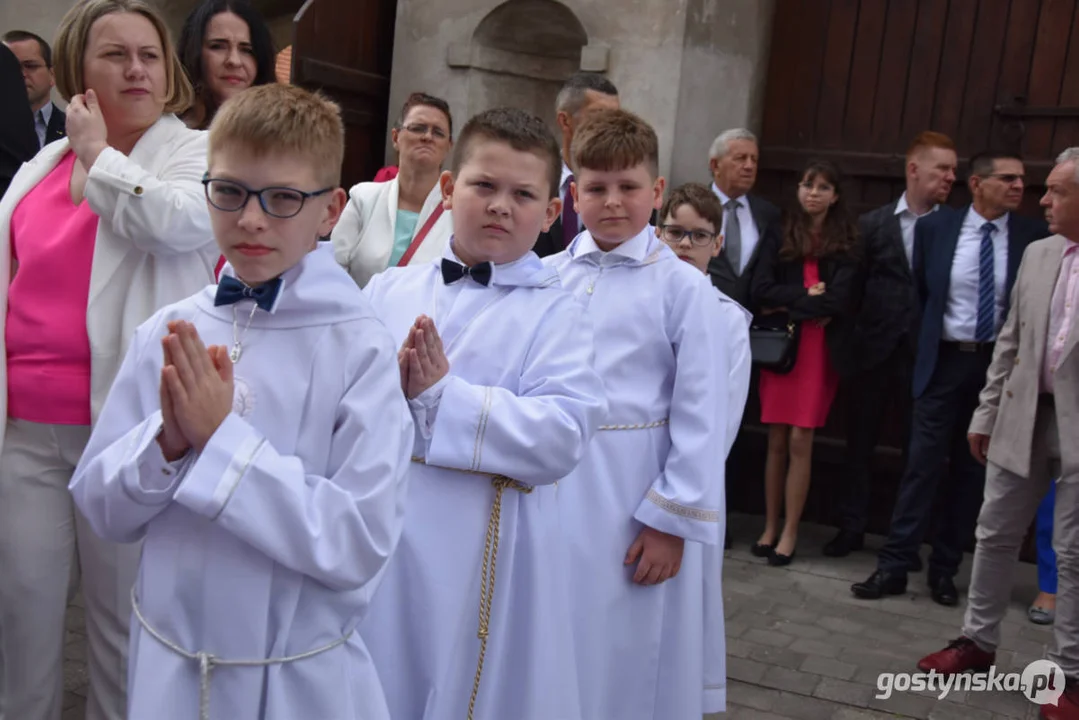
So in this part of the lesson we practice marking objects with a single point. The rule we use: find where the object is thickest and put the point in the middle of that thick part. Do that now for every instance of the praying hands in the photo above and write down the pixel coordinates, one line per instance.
(196, 391)
(421, 358)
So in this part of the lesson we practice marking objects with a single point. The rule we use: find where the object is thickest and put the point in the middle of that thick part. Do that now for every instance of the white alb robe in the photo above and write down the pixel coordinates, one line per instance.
(270, 542)
(522, 400)
(657, 461)
(734, 327)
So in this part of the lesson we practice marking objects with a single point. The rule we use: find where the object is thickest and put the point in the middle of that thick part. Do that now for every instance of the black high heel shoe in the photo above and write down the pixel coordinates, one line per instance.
(779, 560)
(763, 551)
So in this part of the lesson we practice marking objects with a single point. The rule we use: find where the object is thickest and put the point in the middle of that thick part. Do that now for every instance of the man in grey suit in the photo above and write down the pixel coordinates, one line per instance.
(1026, 431)
(733, 162)
(886, 327)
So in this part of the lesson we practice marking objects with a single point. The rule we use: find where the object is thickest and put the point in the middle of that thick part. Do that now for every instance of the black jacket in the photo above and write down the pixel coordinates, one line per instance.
(737, 287)
(57, 127)
(889, 308)
(781, 283)
(18, 140)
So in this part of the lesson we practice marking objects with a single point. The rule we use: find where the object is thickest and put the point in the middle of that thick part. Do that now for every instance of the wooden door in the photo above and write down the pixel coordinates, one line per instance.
(345, 49)
(853, 81)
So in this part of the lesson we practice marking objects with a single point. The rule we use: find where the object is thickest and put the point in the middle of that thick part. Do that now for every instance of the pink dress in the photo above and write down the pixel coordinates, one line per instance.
(803, 396)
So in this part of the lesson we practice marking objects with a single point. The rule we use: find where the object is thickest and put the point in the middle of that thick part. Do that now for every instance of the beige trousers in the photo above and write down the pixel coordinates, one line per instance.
(1008, 508)
(45, 545)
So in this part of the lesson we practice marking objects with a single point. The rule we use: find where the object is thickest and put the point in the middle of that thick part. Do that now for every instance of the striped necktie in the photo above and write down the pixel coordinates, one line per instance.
(987, 296)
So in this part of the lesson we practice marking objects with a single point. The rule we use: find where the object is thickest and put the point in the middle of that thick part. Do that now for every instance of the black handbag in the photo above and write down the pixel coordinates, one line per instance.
(774, 349)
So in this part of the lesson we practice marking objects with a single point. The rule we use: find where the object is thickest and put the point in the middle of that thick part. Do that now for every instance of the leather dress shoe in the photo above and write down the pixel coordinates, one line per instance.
(1067, 707)
(844, 543)
(943, 591)
(962, 655)
(879, 584)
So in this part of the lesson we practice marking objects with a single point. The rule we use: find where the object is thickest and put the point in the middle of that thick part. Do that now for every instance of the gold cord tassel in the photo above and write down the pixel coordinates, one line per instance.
(487, 579)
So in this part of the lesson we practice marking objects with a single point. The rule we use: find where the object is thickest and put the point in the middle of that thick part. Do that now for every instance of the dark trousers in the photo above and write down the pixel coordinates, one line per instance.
(940, 419)
(871, 397)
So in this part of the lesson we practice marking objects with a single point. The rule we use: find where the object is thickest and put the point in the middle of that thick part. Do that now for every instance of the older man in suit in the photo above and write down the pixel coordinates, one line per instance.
(886, 326)
(582, 94)
(733, 161)
(965, 263)
(1026, 429)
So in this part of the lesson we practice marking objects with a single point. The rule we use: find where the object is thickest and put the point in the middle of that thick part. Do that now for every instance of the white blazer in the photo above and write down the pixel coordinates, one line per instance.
(154, 244)
(363, 237)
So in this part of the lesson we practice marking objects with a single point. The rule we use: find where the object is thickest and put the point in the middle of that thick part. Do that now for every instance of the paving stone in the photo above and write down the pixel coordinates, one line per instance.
(772, 638)
(737, 647)
(780, 657)
(842, 691)
(805, 708)
(951, 711)
(808, 632)
(904, 704)
(751, 696)
(745, 670)
(841, 625)
(801, 615)
(821, 648)
(1008, 704)
(742, 588)
(788, 680)
(828, 667)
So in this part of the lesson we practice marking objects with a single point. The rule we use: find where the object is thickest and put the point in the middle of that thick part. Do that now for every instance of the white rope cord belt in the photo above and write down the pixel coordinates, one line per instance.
(207, 662)
(640, 426)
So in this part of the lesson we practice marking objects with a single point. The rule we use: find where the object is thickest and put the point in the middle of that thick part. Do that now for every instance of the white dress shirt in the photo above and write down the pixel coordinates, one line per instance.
(907, 218)
(750, 232)
(961, 312)
(41, 123)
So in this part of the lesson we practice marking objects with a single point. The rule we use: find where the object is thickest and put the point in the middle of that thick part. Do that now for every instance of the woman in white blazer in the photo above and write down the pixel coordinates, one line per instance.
(400, 222)
(101, 229)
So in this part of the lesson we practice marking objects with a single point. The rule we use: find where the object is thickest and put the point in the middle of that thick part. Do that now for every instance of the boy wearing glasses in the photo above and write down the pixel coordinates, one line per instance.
(691, 218)
(649, 494)
(257, 441)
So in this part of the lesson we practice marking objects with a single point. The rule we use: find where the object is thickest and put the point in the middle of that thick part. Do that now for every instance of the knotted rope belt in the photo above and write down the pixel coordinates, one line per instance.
(490, 562)
(207, 661)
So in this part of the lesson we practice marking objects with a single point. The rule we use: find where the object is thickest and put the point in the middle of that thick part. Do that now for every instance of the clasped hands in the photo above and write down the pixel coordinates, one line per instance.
(422, 359)
(196, 391)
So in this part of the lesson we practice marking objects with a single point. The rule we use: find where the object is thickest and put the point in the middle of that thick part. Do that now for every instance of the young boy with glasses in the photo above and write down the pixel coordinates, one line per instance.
(257, 441)
(690, 222)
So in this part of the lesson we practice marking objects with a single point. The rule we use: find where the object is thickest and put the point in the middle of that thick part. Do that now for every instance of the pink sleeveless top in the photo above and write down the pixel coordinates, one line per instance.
(48, 349)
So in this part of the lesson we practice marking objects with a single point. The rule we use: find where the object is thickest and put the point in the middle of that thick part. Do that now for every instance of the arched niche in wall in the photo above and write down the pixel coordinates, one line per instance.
(521, 53)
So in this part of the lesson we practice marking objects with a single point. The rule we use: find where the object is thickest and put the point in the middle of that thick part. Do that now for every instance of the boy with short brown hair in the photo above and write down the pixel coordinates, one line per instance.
(649, 493)
(257, 441)
(496, 360)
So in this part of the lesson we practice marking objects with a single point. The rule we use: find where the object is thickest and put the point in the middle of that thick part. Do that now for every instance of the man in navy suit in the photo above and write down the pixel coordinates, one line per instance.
(964, 264)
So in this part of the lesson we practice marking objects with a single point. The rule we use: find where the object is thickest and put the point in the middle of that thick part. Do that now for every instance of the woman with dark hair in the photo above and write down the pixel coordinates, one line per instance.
(805, 278)
(225, 47)
(401, 221)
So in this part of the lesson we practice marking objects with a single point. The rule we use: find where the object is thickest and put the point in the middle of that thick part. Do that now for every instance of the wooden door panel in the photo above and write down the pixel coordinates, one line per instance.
(345, 49)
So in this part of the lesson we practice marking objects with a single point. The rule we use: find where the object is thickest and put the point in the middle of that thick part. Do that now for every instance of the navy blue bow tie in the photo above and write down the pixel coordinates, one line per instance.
(452, 272)
(230, 290)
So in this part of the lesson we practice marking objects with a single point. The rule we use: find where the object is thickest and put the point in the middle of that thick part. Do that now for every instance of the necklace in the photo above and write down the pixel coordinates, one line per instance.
(237, 339)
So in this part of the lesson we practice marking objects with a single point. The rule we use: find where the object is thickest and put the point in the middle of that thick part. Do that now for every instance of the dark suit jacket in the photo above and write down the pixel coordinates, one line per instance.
(18, 141)
(935, 240)
(889, 309)
(734, 286)
(781, 283)
(57, 127)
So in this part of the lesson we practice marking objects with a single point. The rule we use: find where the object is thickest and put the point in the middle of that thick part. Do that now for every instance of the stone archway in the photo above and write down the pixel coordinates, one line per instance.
(520, 54)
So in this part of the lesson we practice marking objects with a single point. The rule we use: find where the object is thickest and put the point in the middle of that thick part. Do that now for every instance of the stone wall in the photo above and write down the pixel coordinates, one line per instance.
(690, 67)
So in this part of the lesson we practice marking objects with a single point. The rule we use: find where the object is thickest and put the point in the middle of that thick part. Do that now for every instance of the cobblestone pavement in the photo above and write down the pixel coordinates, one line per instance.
(799, 645)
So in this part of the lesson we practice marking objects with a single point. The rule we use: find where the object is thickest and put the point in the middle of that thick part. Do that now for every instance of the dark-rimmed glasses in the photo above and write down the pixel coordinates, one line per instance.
(674, 234)
(278, 202)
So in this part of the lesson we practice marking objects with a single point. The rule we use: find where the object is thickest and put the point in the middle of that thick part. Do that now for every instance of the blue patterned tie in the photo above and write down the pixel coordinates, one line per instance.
(987, 297)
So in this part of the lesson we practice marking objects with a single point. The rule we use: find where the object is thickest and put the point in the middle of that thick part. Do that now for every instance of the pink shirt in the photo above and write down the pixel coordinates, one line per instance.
(1061, 312)
(48, 349)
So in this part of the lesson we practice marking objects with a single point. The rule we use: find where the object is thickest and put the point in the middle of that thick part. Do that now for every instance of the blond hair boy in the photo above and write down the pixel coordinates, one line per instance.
(257, 440)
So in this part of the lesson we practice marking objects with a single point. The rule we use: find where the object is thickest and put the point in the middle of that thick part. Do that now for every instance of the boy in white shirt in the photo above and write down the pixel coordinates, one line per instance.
(649, 493)
(690, 221)
(257, 440)
(497, 362)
